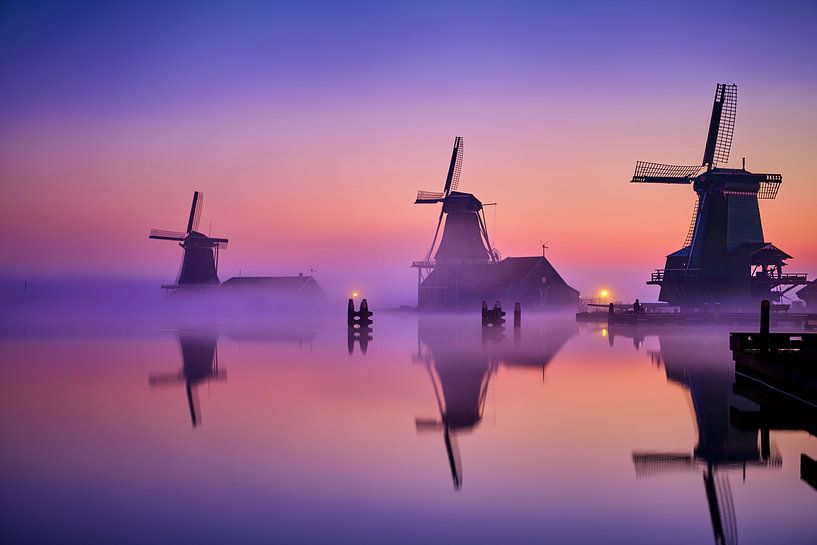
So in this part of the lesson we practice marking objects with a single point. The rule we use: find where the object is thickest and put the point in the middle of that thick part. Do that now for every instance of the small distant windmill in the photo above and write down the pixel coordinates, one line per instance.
(200, 261)
(465, 237)
(724, 244)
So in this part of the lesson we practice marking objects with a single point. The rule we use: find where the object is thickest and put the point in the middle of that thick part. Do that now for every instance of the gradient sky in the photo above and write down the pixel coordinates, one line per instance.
(309, 127)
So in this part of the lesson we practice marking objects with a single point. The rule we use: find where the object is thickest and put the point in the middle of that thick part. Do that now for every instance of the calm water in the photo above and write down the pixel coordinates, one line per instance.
(437, 434)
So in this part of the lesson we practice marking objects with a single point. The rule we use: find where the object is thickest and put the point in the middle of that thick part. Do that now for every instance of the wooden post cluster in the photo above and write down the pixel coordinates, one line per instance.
(359, 324)
(494, 317)
(359, 318)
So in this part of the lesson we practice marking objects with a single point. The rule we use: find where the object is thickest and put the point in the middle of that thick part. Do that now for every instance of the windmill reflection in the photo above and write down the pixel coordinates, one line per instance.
(702, 364)
(199, 364)
(777, 410)
(462, 357)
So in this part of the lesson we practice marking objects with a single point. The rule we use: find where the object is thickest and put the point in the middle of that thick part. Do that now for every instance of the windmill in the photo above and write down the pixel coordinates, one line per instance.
(200, 261)
(465, 236)
(724, 257)
(464, 249)
(199, 364)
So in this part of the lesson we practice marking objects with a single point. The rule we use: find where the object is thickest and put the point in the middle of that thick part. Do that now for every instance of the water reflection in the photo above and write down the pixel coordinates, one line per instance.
(305, 443)
(775, 410)
(199, 364)
(461, 357)
(702, 364)
(361, 335)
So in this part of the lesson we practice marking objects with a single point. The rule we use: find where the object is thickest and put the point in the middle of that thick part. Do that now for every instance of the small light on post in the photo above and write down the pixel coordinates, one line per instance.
(355, 294)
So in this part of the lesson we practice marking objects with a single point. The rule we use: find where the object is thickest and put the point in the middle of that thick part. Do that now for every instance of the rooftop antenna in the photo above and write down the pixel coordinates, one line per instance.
(544, 246)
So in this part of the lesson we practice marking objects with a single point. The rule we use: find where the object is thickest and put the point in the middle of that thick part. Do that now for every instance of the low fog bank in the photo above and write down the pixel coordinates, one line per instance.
(83, 304)
(108, 304)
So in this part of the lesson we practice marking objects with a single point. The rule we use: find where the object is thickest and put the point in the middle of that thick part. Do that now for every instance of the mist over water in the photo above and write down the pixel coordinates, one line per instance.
(181, 428)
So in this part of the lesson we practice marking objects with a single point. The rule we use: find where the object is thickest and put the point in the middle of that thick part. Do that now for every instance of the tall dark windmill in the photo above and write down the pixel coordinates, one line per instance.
(724, 257)
(200, 261)
(465, 237)
(465, 244)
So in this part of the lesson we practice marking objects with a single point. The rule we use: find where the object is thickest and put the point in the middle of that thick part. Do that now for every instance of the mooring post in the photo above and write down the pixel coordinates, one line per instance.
(765, 308)
(610, 310)
(365, 315)
(350, 313)
(484, 313)
(517, 315)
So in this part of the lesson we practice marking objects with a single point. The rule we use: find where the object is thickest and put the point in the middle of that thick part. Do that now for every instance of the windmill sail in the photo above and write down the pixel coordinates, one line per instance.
(429, 197)
(164, 234)
(195, 212)
(721, 125)
(659, 173)
(452, 179)
(691, 232)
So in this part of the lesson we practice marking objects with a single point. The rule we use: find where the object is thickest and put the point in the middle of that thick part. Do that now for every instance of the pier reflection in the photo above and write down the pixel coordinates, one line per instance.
(775, 410)
(462, 357)
(199, 364)
(702, 364)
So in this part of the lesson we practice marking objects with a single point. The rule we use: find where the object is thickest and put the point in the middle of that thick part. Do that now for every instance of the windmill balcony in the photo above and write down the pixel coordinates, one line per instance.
(430, 264)
(657, 277)
(784, 279)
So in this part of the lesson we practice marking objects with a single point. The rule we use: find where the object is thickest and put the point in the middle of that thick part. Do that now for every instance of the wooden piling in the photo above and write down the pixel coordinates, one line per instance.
(359, 318)
(765, 308)
(494, 317)
(517, 315)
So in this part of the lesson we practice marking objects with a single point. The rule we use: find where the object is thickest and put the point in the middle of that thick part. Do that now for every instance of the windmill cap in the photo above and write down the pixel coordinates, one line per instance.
(457, 201)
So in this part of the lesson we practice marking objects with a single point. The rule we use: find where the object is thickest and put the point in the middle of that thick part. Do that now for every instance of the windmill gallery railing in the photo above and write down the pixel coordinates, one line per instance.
(432, 264)
(775, 280)
(658, 276)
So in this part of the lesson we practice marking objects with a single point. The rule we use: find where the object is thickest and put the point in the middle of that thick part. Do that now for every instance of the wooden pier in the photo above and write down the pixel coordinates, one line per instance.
(626, 315)
(782, 361)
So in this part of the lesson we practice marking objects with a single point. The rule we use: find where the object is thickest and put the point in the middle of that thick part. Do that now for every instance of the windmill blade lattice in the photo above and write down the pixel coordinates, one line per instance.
(453, 179)
(195, 212)
(721, 125)
(659, 173)
(164, 234)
